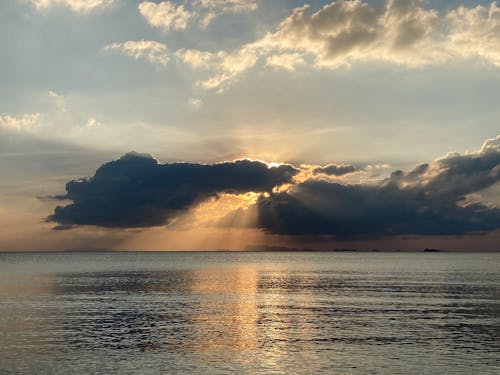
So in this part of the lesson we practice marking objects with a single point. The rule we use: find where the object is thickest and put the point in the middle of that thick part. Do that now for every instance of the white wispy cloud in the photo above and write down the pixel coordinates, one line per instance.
(154, 52)
(25, 122)
(476, 32)
(168, 15)
(59, 100)
(208, 10)
(286, 61)
(82, 6)
(91, 123)
(165, 15)
(195, 102)
(228, 5)
(341, 33)
(227, 65)
(58, 120)
(197, 59)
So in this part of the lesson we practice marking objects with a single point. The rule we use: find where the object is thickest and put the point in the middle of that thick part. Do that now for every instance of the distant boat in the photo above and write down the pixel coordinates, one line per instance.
(428, 250)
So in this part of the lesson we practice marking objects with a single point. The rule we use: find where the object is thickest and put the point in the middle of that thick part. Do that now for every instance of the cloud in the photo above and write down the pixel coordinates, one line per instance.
(137, 191)
(343, 33)
(230, 66)
(198, 59)
(404, 32)
(442, 197)
(233, 6)
(25, 122)
(165, 15)
(195, 102)
(81, 6)
(208, 10)
(60, 121)
(286, 61)
(92, 123)
(430, 199)
(227, 66)
(336, 169)
(168, 15)
(154, 52)
(59, 100)
(475, 32)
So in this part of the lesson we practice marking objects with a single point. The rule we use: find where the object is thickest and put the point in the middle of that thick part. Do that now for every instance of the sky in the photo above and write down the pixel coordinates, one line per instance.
(233, 124)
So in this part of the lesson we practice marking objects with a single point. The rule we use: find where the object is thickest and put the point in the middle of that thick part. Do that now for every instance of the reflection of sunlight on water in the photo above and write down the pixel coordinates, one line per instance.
(287, 321)
(247, 313)
(228, 319)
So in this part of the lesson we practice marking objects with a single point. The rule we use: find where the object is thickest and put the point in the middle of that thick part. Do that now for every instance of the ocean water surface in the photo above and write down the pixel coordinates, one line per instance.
(249, 313)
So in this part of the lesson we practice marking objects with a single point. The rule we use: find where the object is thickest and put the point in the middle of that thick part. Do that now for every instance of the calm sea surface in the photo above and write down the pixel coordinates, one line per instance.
(249, 313)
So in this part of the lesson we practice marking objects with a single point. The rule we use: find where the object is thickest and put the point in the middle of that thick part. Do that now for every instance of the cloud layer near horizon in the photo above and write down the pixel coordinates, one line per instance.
(434, 198)
(431, 199)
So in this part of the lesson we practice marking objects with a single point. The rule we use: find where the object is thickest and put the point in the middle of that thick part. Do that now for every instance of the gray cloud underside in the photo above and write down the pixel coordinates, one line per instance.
(430, 199)
(336, 169)
(137, 191)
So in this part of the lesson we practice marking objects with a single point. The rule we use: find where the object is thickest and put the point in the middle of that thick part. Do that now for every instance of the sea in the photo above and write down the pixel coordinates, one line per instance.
(249, 313)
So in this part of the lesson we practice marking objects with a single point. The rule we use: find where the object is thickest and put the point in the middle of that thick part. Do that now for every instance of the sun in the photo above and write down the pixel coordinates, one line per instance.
(273, 164)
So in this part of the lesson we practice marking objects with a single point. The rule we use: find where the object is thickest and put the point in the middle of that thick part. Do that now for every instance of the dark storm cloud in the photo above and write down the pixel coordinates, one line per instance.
(430, 199)
(318, 207)
(433, 198)
(335, 169)
(137, 191)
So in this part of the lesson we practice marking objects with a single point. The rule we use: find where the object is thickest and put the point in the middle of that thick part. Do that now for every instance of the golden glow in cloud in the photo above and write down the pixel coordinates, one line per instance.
(344, 32)
(165, 15)
(286, 61)
(19, 123)
(152, 51)
(168, 15)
